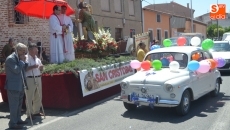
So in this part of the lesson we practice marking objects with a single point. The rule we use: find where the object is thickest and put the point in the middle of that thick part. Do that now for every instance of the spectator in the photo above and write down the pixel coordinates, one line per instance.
(30, 40)
(141, 51)
(44, 56)
(33, 74)
(14, 65)
(7, 49)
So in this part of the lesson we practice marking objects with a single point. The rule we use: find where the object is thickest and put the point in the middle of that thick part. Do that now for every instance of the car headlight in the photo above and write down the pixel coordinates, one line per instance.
(124, 85)
(169, 87)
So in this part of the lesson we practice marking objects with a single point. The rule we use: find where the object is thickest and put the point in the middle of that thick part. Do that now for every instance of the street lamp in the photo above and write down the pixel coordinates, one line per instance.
(218, 26)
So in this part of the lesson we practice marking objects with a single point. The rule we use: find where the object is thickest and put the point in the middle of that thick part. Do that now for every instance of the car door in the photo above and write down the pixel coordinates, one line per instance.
(198, 79)
(211, 74)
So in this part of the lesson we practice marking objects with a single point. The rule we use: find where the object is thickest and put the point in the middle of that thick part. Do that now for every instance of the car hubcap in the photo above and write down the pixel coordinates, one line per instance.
(217, 87)
(186, 103)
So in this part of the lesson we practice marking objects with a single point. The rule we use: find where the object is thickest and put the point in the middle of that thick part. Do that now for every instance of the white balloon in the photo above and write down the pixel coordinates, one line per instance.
(174, 66)
(195, 41)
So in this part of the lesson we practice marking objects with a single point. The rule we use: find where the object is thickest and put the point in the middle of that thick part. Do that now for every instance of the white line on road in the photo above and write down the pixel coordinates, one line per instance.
(67, 114)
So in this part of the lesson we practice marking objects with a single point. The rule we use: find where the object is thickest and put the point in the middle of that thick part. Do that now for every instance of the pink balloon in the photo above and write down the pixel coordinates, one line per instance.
(204, 66)
(135, 64)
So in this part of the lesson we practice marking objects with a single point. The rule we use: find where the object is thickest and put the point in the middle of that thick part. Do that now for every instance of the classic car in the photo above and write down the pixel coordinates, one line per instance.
(222, 49)
(167, 88)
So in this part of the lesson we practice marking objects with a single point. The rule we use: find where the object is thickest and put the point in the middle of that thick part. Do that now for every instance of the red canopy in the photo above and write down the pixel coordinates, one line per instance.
(41, 8)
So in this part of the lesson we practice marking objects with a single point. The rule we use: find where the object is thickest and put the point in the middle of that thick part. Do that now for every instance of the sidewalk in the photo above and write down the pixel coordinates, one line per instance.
(51, 114)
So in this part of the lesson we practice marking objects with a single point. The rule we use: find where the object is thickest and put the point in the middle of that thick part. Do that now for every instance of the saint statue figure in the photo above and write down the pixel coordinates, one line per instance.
(86, 18)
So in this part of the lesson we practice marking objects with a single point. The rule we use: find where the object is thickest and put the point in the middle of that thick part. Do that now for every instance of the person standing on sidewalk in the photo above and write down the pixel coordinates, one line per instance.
(14, 65)
(33, 78)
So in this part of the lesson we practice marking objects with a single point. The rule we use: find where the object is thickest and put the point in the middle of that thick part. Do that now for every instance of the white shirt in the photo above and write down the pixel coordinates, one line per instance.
(30, 60)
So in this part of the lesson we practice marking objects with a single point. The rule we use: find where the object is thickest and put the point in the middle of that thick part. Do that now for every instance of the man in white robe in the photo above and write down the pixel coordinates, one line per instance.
(56, 40)
(68, 38)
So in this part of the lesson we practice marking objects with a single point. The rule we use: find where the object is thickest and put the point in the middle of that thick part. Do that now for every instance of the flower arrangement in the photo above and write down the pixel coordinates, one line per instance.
(103, 43)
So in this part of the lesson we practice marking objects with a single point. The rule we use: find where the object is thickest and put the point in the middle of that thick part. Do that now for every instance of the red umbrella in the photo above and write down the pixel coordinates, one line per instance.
(41, 8)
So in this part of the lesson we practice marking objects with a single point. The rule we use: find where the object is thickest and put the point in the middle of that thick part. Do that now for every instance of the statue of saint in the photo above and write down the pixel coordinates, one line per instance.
(86, 18)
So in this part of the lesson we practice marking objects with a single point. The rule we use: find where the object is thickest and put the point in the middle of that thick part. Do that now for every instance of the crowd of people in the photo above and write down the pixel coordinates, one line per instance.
(23, 66)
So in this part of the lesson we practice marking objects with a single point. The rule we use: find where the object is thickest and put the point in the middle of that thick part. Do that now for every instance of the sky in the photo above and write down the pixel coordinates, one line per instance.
(200, 6)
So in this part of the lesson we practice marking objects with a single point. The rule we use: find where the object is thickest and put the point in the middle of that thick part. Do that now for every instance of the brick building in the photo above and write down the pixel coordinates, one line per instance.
(20, 27)
(121, 17)
(169, 20)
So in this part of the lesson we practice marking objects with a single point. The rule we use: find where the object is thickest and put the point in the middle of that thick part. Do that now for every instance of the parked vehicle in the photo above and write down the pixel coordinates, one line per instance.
(226, 36)
(191, 35)
(165, 88)
(222, 49)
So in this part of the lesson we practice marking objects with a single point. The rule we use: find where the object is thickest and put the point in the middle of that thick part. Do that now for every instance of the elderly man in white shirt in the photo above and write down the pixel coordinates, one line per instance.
(33, 77)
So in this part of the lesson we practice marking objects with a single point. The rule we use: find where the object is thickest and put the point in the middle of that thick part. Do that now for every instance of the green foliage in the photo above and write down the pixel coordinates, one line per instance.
(210, 30)
(85, 64)
(221, 32)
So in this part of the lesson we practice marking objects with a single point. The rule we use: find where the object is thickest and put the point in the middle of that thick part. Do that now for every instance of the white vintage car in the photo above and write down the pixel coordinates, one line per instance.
(165, 88)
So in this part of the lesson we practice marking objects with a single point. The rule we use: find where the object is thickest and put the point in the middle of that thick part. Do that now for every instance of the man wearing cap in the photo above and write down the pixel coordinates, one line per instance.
(33, 78)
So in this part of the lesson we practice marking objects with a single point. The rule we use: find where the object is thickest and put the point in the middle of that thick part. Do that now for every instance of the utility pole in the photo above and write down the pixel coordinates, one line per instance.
(191, 17)
(218, 35)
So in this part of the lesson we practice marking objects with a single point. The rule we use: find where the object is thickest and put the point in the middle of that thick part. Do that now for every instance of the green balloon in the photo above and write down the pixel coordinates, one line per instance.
(167, 42)
(157, 64)
(207, 44)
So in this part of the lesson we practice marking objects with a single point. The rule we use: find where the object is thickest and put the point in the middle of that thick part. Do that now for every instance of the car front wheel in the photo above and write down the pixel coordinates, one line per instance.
(184, 106)
(130, 107)
(216, 91)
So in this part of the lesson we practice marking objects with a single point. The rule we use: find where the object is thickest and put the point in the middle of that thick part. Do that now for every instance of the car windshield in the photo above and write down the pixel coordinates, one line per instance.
(167, 57)
(221, 47)
(174, 41)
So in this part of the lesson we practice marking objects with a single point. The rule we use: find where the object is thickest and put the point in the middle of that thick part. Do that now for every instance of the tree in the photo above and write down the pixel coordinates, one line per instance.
(227, 29)
(210, 30)
(221, 32)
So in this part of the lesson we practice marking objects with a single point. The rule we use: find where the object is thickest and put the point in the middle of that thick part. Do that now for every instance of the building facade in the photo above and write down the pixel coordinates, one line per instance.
(206, 19)
(170, 19)
(121, 17)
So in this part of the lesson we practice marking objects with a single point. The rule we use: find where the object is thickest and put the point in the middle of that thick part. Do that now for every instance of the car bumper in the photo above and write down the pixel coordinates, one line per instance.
(225, 68)
(157, 102)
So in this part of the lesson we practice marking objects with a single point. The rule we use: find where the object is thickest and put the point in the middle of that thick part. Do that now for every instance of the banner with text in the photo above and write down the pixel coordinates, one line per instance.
(144, 37)
(111, 75)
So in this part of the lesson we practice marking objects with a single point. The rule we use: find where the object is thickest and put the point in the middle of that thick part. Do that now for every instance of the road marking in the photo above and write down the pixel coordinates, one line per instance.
(67, 114)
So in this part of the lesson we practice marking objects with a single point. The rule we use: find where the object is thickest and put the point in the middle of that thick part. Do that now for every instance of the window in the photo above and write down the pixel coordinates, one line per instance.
(118, 34)
(131, 7)
(18, 17)
(132, 32)
(166, 34)
(118, 5)
(105, 5)
(151, 35)
(158, 18)
(107, 29)
(159, 35)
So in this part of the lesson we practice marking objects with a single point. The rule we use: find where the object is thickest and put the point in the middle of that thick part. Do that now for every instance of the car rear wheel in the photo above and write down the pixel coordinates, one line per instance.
(216, 91)
(184, 106)
(130, 107)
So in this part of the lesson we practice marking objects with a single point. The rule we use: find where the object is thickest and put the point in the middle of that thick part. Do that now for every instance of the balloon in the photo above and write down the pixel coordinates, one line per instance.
(167, 43)
(195, 41)
(221, 62)
(204, 66)
(135, 64)
(195, 56)
(174, 66)
(153, 47)
(193, 65)
(181, 41)
(145, 65)
(207, 44)
(213, 64)
(165, 62)
(157, 64)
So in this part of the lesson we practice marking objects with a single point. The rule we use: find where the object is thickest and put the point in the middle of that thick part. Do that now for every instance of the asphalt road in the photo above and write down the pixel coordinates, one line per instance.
(207, 113)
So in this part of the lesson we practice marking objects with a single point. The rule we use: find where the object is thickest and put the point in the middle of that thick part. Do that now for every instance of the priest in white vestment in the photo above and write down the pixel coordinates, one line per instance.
(56, 40)
(66, 20)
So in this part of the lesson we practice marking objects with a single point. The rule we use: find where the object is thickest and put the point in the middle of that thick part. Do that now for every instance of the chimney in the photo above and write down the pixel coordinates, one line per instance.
(187, 5)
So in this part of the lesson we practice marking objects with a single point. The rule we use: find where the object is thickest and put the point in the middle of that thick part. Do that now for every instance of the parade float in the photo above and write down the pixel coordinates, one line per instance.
(93, 76)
